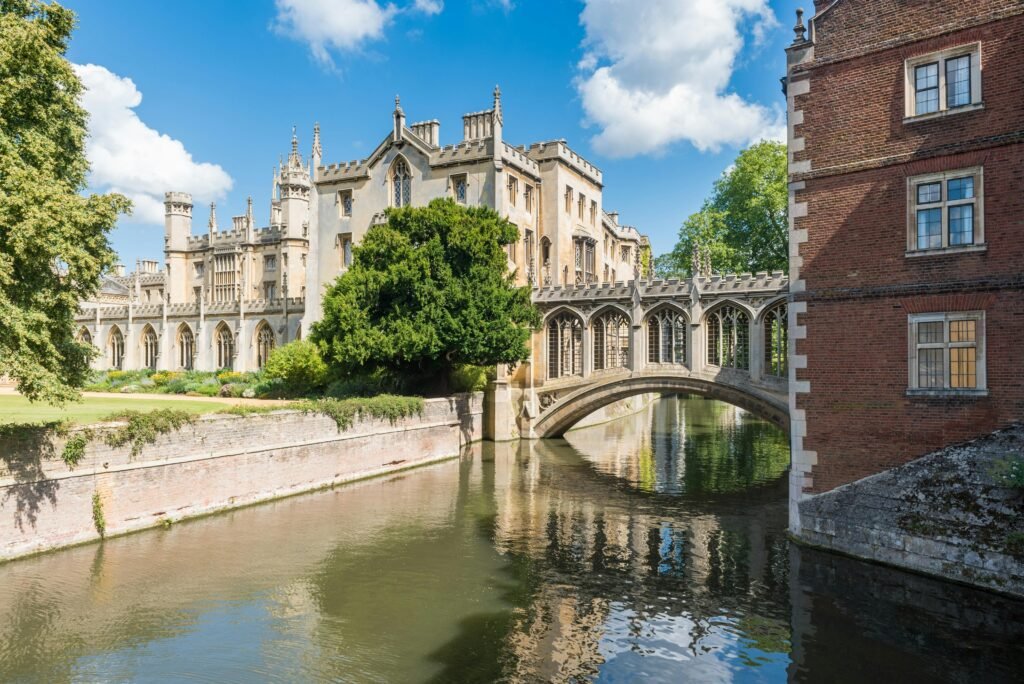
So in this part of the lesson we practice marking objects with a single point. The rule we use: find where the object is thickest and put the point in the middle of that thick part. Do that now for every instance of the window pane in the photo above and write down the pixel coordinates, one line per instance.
(958, 81)
(962, 331)
(929, 367)
(929, 228)
(960, 188)
(961, 225)
(929, 333)
(926, 87)
(963, 369)
(929, 193)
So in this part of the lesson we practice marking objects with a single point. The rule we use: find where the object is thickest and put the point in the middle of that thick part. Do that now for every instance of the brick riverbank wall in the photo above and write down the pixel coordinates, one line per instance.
(217, 463)
(947, 514)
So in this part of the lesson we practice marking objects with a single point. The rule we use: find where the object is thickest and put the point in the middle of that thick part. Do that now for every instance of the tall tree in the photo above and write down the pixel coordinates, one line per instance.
(53, 240)
(744, 224)
(427, 291)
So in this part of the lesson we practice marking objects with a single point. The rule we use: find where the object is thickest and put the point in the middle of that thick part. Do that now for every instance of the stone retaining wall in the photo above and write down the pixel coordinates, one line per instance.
(217, 463)
(946, 514)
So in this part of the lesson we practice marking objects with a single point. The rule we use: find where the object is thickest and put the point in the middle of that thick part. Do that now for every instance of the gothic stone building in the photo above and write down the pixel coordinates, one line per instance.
(906, 143)
(225, 299)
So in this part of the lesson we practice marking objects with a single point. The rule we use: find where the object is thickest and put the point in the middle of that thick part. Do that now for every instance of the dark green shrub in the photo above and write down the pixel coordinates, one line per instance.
(298, 366)
(469, 378)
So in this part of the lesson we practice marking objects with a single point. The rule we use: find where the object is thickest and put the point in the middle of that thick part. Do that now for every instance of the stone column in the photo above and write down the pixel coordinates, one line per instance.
(586, 353)
(756, 349)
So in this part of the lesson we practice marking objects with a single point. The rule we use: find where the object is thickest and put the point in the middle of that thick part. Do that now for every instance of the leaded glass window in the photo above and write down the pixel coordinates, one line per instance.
(225, 341)
(150, 349)
(264, 344)
(186, 348)
(776, 341)
(401, 184)
(946, 210)
(947, 351)
(116, 349)
(565, 346)
(728, 338)
(666, 337)
(611, 341)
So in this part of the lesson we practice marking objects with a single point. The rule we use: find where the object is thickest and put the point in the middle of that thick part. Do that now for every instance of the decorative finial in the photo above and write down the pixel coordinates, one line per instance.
(497, 104)
(497, 93)
(295, 142)
(317, 150)
(398, 105)
(799, 28)
(212, 223)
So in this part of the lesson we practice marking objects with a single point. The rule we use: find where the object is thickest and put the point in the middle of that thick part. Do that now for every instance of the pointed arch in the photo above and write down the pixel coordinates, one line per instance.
(400, 182)
(564, 343)
(775, 323)
(728, 335)
(150, 347)
(185, 341)
(610, 326)
(224, 343)
(666, 334)
(84, 336)
(115, 348)
(265, 341)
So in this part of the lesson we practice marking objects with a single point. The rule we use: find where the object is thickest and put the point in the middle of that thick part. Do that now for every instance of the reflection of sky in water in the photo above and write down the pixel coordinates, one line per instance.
(674, 648)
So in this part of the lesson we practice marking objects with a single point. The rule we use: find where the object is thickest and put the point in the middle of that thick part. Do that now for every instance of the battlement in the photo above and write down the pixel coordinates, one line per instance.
(344, 171)
(558, 149)
(761, 282)
(518, 156)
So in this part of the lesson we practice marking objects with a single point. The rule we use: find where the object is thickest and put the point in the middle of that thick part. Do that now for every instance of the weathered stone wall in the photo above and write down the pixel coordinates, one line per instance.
(219, 462)
(947, 514)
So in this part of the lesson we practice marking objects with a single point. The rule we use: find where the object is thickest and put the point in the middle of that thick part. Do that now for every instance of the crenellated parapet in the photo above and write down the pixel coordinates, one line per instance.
(558, 149)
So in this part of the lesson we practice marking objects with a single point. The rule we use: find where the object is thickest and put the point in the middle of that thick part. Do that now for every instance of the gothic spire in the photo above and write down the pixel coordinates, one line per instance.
(317, 150)
(497, 103)
(294, 160)
(212, 223)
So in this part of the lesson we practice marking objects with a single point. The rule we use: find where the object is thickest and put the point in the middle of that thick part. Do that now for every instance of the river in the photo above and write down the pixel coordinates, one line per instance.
(649, 549)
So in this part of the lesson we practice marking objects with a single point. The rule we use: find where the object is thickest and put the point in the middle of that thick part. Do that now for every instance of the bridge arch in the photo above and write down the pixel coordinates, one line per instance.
(575, 405)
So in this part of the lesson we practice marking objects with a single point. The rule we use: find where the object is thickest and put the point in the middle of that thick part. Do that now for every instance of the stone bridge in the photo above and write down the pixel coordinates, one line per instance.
(722, 337)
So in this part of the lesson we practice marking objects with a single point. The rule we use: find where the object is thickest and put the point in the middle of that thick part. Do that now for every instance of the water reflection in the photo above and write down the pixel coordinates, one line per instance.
(651, 548)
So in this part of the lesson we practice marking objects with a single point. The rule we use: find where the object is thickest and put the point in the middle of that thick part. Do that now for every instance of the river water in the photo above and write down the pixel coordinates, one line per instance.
(648, 549)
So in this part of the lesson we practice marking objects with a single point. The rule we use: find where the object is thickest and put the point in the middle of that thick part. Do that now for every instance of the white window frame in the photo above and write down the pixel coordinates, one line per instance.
(979, 211)
(910, 86)
(913, 377)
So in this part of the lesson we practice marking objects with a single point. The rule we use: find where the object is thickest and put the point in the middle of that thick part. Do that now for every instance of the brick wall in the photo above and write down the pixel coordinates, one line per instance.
(218, 463)
(852, 156)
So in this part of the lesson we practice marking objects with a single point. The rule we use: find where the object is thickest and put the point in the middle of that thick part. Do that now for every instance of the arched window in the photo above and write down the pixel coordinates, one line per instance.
(611, 341)
(150, 348)
(401, 184)
(264, 344)
(186, 348)
(776, 340)
(84, 336)
(225, 341)
(115, 348)
(728, 337)
(666, 337)
(565, 346)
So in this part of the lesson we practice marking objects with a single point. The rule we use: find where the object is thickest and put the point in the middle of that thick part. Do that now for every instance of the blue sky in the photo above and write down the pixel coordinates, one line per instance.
(202, 95)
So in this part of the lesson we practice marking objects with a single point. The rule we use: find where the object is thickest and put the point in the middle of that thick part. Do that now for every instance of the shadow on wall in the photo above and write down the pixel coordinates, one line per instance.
(22, 450)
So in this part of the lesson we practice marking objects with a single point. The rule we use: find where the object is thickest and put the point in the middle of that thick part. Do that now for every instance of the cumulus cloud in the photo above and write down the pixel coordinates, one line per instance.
(658, 72)
(428, 6)
(342, 25)
(129, 157)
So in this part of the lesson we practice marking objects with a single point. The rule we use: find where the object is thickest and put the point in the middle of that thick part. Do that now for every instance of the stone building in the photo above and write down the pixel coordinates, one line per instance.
(226, 298)
(906, 154)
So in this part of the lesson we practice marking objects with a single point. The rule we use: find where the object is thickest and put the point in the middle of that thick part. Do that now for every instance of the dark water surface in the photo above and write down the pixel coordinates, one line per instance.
(649, 549)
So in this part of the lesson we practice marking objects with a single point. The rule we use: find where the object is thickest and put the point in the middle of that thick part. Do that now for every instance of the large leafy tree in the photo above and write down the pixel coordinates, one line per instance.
(427, 291)
(53, 239)
(744, 224)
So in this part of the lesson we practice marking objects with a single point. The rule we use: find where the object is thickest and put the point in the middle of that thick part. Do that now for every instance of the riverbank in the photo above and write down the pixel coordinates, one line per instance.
(217, 463)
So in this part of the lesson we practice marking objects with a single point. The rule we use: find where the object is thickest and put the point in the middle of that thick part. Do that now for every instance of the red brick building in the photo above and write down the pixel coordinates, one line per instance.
(906, 144)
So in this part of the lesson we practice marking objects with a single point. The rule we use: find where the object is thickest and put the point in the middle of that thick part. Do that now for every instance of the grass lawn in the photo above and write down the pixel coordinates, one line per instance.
(17, 409)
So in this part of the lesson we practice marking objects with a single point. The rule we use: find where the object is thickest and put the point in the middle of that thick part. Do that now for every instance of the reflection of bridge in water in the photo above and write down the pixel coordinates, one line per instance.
(722, 337)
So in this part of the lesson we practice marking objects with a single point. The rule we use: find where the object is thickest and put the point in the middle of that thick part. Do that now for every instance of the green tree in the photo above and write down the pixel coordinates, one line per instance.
(427, 291)
(744, 224)
(53, 240)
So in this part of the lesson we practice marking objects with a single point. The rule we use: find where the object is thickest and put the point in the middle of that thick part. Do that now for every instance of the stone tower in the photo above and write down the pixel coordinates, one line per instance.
(177, 231)
(294, 187)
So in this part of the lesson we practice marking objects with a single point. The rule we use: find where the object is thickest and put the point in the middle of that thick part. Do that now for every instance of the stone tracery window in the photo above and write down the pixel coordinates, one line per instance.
(728, 337)
(264, 344)
(116, 349)
(611, 341)
(401, 184)
(186, 348)
(150, 348)
(225, 341)
(565, 346)
(84, 336)
(776, 341)
(666, 337)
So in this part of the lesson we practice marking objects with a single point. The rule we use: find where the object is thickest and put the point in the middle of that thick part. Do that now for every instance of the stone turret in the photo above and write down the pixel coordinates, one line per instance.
(177, 231)
(294, 186)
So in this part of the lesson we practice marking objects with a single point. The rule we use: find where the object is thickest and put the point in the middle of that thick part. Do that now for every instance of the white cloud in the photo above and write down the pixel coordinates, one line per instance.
(336, 24)
(657, 72)
(428, 6)
(127, 156)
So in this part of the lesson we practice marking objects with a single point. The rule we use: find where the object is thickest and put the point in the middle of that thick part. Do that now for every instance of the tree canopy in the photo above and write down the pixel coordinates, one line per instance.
(53, 239)
(744, 224)
(427, 291)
